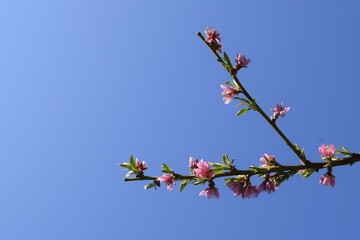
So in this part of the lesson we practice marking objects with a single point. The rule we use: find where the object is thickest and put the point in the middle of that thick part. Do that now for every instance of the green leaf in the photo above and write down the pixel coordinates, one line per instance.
(225, 160)
(150, 185)
(344, 148)
(218, 170)
(227, 59)
(217, 165)
(345, 152)
(132, 162)
(166, 168)
(232, 84)
(130, 173)
(202, 181)
(242, 111)
(256, 169)
(126, 165)
(243, 100)
(184, 183)
(225, 65)
(306, 173)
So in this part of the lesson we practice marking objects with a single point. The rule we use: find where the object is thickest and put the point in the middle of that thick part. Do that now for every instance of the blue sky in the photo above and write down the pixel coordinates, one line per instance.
(84, 84)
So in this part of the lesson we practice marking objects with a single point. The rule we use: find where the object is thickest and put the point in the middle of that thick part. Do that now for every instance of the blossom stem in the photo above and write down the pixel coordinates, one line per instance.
(265, 170)
(257, 107)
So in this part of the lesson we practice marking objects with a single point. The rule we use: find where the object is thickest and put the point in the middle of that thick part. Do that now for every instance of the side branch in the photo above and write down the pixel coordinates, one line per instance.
(233, 75)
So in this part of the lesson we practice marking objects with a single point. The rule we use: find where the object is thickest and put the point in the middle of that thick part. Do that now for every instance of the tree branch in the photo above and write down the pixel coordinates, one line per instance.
(264, 170)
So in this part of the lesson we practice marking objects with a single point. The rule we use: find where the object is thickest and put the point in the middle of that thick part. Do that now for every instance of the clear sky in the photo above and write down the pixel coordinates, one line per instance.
(84, 84)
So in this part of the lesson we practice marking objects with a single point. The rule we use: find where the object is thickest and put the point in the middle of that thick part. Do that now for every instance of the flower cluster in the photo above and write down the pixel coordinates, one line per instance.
(279, 110)
(244, 188)
(268, 185)
(213, 39)
(229, 93)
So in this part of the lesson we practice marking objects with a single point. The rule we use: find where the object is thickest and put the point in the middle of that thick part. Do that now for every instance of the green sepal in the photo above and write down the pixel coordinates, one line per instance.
(184, 183)
(242, 111)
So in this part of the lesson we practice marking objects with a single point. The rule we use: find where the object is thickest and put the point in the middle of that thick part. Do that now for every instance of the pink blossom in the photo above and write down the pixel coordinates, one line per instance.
(169, 180)
(213, 39)
(237, 187)
(250, 192)
(228, 93)
(242, 61)
(327, 151)
(141, 166)
(268, 185)
(327, 179)
(270, 160)
(203, 170)
(279, 110)
(193, 162)
(212, 35)
(211, 192)
(245, 189)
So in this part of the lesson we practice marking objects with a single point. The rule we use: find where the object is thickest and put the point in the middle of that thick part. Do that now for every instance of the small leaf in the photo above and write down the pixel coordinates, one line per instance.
(242, 111)
(126, 165)
(225, 65)
(150, 185)
(345, 149)
(129, 173)
(184, 183)
(225, 160)
(217, 165)
(202, 181)
(297, 147)
(132, 162)
(218, 170)
(256, 169)
(243, 100)
(306, 173)
(166, 168)
(233, 84)
(227, 59)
